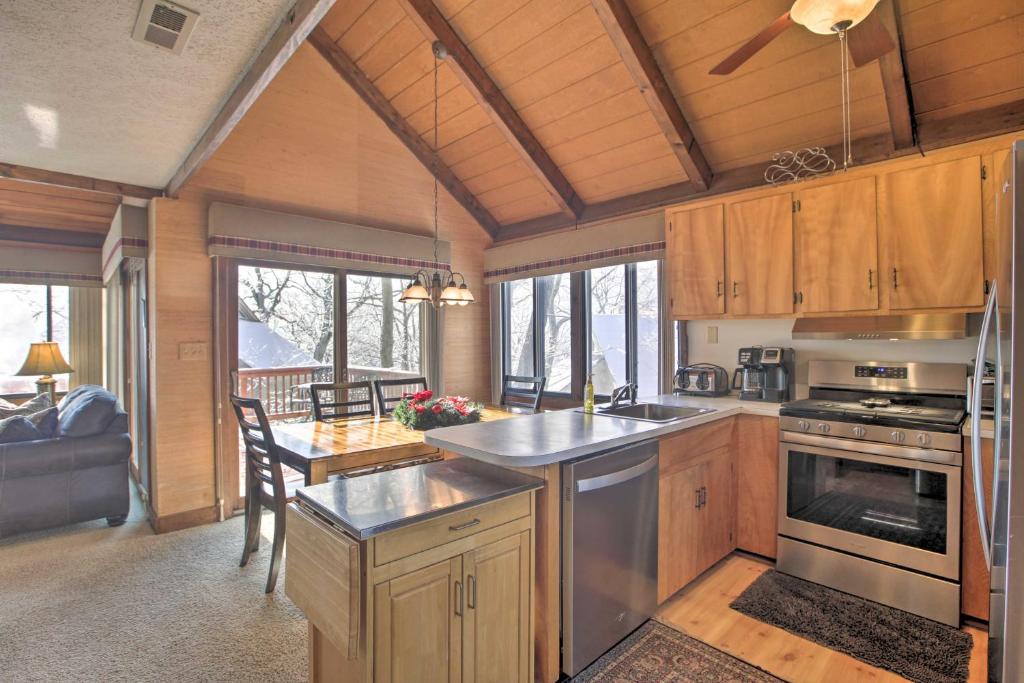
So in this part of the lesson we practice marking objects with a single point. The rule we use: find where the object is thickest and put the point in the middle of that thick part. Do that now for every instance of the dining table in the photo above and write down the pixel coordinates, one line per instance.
(361, 444)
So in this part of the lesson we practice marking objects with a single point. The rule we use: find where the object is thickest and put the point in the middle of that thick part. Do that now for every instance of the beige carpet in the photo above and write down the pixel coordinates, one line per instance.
(90, 603)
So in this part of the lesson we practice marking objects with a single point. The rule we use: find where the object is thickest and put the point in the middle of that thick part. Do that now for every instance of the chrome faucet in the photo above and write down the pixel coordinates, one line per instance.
(619, 394)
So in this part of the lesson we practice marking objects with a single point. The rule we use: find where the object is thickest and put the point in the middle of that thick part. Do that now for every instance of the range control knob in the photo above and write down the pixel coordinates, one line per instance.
(823, 428)
(859, 432)
(898, 437)
(924, 439)
(804, 425)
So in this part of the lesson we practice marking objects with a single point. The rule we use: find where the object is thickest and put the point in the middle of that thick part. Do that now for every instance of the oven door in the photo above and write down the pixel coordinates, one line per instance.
(898, 510)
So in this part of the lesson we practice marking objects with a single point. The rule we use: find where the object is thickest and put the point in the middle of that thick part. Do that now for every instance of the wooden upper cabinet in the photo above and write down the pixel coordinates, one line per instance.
(836, 248)
(695, 260)
(931, 226)
(759, 256)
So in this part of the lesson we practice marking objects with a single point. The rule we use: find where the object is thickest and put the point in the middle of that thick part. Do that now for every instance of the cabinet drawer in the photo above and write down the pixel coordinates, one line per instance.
(432, 533)
(322, 577)
(679, 450)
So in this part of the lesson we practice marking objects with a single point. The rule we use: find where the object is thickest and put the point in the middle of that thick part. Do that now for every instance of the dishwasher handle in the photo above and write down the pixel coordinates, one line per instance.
(613, 478)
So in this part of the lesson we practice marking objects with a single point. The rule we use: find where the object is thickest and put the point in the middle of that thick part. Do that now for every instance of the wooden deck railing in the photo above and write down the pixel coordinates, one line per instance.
(280, 389)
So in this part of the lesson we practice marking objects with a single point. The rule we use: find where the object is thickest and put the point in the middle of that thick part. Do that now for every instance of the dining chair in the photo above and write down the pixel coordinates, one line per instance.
(387, 400)
(515, 394)
(341, 400)
(262, 469)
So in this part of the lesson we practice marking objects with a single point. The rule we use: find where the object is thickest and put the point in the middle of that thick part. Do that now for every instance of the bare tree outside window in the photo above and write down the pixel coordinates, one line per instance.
(24, 308)
(608, 328)
(383, 333)
(648, 331)
(555, 301)
(520, 327)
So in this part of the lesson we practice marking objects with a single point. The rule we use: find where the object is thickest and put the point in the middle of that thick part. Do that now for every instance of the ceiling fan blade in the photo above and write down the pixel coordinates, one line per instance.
(752, 46)
(869, 40)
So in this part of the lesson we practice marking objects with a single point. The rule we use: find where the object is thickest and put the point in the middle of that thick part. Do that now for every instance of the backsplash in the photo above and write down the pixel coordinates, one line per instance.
(734, 334)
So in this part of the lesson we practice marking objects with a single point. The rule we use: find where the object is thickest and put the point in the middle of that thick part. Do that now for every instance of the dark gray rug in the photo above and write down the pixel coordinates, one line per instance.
(655, 653)
(914, 647)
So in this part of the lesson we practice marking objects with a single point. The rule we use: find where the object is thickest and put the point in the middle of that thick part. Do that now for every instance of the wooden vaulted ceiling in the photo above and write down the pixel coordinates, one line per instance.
(553, 111)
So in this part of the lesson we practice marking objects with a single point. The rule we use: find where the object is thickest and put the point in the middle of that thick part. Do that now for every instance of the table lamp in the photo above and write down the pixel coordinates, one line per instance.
(45, 358)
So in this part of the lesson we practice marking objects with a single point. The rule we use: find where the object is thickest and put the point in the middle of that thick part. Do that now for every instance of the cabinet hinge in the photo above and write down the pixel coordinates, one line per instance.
(672, 302)
(984, 172)
(670, 227)
(986, 287)
(796, 205)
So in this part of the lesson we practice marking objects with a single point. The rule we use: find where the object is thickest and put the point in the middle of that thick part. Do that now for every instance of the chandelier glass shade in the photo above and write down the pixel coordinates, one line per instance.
(824, 16)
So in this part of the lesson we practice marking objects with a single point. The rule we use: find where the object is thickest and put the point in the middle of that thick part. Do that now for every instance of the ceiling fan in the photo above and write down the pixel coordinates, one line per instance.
(870, 41)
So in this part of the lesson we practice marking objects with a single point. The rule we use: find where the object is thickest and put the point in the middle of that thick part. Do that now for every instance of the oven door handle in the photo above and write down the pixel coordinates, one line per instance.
(854, 448)
(977, 466)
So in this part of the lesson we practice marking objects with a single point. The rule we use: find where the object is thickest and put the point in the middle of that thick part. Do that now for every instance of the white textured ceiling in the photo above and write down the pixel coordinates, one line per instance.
(78, 95)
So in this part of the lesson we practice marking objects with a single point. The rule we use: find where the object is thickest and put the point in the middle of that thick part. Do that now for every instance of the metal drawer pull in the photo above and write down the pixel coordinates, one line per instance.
(734, 294)
(696, 496)
(458, 598)
(703, 496)
(464, 525)
(895, 279)
(471, 584)
(871, 279)
(718, 288)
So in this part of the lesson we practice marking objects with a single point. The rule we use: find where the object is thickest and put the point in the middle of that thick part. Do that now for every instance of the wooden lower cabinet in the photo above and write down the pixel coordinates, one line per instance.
(974, 574)
(757, 484)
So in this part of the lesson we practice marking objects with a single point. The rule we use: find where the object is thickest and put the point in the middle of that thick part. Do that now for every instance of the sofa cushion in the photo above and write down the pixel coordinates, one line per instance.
(45, 421)
(87, 414)
(18, 428)
(34, 405)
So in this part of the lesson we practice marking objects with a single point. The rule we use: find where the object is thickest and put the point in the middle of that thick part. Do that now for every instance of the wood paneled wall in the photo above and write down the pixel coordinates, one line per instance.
(308, 146)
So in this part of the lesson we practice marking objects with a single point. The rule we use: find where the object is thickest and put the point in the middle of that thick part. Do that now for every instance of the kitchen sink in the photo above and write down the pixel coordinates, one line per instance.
(653, 412)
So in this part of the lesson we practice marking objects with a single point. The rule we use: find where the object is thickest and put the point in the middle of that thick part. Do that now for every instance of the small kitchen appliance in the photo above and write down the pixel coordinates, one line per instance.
(765, 374)
(870, 469)
(702, 379)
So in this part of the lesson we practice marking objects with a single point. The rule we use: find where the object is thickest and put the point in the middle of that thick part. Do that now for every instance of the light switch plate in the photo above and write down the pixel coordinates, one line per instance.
(712, 334)
(192, 351)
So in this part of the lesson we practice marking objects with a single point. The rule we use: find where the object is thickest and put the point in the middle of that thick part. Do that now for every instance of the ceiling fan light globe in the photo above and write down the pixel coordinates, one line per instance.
(820, 16)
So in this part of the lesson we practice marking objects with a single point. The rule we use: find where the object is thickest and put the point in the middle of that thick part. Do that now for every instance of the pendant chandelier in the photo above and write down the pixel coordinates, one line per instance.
(439, 286)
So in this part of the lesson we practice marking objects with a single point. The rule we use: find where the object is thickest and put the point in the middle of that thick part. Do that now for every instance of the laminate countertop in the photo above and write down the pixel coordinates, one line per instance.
(374, 503)
(562, 435)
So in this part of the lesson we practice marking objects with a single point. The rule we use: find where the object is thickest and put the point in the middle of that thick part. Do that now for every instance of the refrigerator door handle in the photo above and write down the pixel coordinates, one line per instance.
(997, 441)
(976, 460)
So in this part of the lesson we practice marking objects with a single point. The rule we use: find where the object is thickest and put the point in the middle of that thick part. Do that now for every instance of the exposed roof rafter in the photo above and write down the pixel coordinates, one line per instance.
(639, 59)
(380, 105)
(486, 92)
(894, 80)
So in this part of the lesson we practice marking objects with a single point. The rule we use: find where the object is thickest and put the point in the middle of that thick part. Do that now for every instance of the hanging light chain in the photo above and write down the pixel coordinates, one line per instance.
(845, 84)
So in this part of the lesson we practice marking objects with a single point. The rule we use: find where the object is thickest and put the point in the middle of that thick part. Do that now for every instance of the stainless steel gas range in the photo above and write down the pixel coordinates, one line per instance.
(870, 472)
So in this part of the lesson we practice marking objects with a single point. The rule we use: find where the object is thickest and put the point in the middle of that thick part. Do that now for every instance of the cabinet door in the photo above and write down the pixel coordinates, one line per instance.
(418, 625)
(974, 588)
(757, 484)
(718, 513)
(836, 248)
(695, 260)
(679, 517)
(759, 256)
(496, 629)
(931, 223)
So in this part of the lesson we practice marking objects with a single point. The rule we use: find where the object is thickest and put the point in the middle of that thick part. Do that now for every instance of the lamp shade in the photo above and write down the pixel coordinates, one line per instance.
(44, 358)
(820, 16)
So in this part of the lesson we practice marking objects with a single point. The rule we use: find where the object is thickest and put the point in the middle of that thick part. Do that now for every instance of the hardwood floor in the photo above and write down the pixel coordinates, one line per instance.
(702, 611)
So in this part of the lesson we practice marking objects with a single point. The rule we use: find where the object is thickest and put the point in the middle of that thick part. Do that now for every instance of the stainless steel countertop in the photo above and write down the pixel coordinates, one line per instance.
(372, 504)
(561, 435)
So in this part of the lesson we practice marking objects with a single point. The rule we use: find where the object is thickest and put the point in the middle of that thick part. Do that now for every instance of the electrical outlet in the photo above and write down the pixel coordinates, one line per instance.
(712, 334)
(192, 351)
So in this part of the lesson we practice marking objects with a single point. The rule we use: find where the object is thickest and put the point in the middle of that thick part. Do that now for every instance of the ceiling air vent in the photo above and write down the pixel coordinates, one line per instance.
(164, 24)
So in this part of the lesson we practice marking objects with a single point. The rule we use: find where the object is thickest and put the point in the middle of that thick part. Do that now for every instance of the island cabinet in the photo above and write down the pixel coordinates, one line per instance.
(449, 599)
(696, 510)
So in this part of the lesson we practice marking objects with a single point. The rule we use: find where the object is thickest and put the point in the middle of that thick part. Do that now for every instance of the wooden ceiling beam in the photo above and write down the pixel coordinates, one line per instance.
(80, 182)
(475, 78)
(898, 100)
(290, 33)
(368, 92)
(639, 60)
(68, 238)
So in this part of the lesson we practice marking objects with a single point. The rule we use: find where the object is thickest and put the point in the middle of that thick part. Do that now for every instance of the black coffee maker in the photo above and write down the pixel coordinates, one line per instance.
(765, 374)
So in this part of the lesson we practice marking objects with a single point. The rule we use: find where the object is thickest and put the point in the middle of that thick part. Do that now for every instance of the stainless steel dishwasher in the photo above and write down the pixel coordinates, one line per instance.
(609, 550)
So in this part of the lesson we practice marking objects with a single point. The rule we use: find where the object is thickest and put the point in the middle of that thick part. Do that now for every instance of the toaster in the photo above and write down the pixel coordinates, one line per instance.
(702, 379)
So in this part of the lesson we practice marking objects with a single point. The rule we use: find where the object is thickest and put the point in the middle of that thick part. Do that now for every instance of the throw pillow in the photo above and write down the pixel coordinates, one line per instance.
(7, 404)
(89, 414)
(45, 422)
(34, 405)
(17, 428)
(72, 395)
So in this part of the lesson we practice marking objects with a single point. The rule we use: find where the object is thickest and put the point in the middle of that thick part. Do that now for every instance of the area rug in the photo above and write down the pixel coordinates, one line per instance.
(655, 653)
(914, 647)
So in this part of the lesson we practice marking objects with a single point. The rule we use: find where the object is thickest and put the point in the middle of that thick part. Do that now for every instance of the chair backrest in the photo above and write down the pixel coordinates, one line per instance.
(263, 462)
(525, 392)
(389, 391)
(341, 400)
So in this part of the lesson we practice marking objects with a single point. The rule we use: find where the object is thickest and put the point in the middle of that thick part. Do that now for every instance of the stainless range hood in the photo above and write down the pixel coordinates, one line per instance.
(884, 327)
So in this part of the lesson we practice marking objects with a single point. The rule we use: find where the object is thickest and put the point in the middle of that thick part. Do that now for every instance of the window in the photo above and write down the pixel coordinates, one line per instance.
(24, 308)
(383, 339)
(612, 314)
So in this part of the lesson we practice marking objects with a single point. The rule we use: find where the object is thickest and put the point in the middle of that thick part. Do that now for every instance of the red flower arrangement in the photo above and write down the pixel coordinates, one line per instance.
(422, 411)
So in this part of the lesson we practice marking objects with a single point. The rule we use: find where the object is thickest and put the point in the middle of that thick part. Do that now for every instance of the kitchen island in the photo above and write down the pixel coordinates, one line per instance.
(732, 452)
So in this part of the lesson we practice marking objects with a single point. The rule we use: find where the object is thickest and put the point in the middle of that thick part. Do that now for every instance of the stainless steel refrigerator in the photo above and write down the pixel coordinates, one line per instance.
(1001, 519)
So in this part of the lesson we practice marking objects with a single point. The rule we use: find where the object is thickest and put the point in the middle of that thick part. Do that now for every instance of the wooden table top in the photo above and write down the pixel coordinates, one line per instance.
(312, 441)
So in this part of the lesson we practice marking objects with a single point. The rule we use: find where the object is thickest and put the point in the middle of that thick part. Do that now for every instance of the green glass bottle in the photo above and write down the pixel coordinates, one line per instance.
(588, 395)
